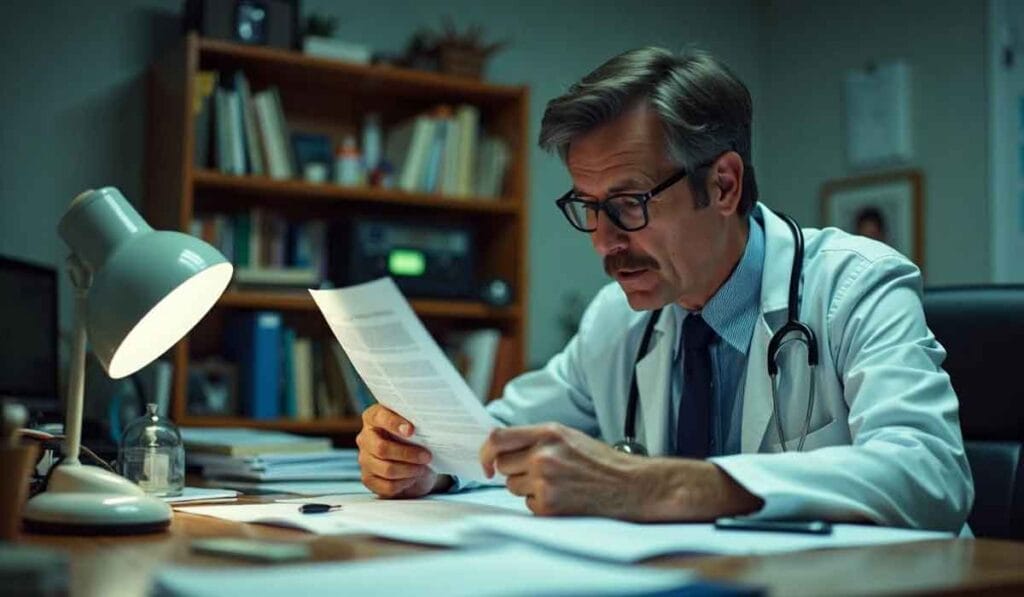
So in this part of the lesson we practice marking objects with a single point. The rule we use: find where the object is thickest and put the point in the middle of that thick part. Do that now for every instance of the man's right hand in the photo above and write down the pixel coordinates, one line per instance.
(392, 467)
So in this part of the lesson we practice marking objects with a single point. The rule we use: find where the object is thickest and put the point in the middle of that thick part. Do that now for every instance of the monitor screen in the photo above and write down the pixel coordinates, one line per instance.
(28, 334)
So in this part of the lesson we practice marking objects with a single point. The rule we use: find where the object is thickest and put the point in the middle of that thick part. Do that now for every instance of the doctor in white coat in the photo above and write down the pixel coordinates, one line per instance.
(658, 147)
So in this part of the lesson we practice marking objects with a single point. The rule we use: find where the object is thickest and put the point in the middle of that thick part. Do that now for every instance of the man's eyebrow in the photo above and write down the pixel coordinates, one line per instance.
(628, 184)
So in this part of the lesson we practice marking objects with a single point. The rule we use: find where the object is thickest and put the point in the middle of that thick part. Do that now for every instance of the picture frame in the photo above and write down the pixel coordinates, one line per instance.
(888, 207)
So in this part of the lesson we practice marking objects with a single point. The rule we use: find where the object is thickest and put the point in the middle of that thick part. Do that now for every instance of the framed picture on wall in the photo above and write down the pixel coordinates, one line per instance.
(886, 207)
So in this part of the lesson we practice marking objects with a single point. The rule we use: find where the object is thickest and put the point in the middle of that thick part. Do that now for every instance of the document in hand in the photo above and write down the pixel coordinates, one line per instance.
(407, 372)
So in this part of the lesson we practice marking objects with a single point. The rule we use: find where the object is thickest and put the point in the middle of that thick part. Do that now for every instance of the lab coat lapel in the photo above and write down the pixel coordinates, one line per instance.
(653, 384)
(757, 391)
(757, 405)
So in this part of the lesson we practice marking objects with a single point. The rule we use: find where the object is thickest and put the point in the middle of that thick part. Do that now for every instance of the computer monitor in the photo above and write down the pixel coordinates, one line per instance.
(28, 335)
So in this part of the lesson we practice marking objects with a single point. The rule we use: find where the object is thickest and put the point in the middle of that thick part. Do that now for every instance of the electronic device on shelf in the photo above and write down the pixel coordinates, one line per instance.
(425, 260)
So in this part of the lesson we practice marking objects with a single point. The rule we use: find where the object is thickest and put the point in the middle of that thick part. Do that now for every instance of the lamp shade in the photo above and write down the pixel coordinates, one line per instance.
(148, 287)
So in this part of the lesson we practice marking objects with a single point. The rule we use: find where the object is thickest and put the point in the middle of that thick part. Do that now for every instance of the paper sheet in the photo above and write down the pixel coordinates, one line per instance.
(296, 487)
(507, 570)
(197, 494)
(627, 542)
(429, 521)
(408, 373)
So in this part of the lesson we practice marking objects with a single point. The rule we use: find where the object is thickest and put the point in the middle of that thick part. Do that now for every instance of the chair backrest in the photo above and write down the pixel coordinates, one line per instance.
(982, 329)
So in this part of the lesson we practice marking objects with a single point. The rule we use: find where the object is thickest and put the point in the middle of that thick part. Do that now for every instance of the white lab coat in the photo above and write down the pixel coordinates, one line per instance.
(884, 442)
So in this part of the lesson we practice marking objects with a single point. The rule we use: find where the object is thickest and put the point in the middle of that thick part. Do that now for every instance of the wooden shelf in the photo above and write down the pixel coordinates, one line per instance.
(358, 77)
(268, 188)
(301, 301)
(330, 97)
(345, 426)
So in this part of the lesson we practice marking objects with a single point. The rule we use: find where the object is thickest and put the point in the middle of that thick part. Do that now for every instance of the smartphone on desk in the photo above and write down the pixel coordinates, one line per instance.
(251, 549)
(811, 527)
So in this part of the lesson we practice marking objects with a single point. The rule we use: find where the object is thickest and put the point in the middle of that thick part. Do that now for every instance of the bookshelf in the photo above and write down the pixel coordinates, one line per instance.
(331, 98)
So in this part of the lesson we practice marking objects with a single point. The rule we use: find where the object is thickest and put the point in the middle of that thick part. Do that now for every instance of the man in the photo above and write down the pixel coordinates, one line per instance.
(658, 147)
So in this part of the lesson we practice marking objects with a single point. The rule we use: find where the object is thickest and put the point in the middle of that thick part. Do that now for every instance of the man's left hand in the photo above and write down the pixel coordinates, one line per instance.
(561, 472)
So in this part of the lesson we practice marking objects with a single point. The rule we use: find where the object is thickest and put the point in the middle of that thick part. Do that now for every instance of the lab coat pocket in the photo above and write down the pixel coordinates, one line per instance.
(830, 433)
(795, 396)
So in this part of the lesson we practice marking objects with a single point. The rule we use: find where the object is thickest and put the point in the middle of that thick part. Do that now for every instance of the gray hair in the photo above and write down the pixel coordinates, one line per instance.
(705, 110)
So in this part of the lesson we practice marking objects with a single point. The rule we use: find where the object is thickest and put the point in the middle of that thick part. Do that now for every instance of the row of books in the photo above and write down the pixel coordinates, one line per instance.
(284, 375)
(240, 131)
(266, 248)
(280, 374)
(445, 152)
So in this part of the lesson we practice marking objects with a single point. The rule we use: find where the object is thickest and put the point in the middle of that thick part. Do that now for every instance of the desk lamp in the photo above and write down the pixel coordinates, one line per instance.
(137, 292)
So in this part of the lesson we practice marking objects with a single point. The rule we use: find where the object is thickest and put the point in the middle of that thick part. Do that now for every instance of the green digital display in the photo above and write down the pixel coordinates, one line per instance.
(406, 262)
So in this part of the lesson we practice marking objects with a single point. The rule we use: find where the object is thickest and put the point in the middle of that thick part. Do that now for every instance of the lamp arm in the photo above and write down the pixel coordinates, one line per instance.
(81, 279)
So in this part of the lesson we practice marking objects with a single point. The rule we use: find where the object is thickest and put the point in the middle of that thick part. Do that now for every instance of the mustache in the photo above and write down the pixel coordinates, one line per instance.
(620, 261)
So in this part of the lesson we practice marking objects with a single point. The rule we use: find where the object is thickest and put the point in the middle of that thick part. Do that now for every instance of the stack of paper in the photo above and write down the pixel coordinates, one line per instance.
(233, 441)
(335, 465)
(261, 461)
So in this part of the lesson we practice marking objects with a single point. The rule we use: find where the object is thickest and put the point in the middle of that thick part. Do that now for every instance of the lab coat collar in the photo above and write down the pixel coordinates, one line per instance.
(654, 383)
(778, 260)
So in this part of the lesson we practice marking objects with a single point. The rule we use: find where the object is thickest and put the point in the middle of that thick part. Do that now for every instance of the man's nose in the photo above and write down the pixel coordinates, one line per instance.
(608, 238)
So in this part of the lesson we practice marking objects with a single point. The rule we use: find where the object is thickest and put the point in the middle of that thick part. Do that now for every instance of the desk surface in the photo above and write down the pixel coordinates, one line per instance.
(113, 566)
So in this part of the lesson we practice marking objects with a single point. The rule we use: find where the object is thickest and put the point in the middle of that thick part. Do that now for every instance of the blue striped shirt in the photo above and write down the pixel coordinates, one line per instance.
(732, 313)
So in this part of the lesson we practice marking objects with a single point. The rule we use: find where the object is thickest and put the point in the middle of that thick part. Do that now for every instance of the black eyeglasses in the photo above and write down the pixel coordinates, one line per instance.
(628, 211)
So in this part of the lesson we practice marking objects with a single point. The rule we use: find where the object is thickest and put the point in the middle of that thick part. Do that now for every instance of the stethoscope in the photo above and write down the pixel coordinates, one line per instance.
(800, 333)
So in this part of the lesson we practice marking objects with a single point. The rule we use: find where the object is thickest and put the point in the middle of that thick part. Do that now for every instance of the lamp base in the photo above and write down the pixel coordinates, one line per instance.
(82, 499)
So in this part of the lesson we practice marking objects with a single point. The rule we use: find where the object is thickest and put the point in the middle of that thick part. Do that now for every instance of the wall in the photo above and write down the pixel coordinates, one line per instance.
(73, 109)
(75, 118)
(807, 47)
(71, 114)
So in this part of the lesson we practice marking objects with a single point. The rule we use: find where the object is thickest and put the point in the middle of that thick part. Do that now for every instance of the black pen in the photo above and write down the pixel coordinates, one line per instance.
(317, 508)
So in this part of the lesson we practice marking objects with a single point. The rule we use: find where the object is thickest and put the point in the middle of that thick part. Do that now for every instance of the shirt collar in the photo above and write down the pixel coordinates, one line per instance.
(732, 310)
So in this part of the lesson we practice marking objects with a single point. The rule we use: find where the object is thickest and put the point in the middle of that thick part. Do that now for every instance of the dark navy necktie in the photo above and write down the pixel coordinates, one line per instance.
(694, 422)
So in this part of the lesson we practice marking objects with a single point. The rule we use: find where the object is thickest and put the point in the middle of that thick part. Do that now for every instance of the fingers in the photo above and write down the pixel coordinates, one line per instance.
(513, 439)
(519, 485)
(388, 420)
(382, 446)
(387, 488)
(512, 463)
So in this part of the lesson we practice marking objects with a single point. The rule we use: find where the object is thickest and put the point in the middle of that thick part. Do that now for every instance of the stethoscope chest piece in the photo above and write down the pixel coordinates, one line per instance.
(630, 446)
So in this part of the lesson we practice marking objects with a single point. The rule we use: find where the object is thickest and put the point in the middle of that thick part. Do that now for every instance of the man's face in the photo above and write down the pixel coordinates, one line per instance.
(675, 255)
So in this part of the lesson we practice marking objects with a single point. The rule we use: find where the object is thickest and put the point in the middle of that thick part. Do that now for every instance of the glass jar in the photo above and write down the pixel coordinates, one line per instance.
(152, 455)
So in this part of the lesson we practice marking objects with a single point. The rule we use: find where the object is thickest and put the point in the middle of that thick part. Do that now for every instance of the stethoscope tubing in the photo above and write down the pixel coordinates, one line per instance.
(793, 325)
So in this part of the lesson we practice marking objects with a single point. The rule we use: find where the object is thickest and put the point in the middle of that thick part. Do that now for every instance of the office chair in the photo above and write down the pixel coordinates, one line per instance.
(982, 329)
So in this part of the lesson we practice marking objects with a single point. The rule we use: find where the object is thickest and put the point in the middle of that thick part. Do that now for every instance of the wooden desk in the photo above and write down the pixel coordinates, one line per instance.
(114, 566)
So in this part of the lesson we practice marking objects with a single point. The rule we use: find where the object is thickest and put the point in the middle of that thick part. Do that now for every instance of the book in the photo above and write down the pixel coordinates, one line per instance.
(254, 343)
(415, 162)
(304, 277)
(469, 124)
(478, 349)
(273, 131)
(289, 400)
(492, 162)
(233, 441)
(302, 356)
(202, 113)
(230, 135)
(253, 143)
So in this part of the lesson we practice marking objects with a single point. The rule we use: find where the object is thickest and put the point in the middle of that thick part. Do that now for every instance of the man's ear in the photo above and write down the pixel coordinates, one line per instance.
(725, 183)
